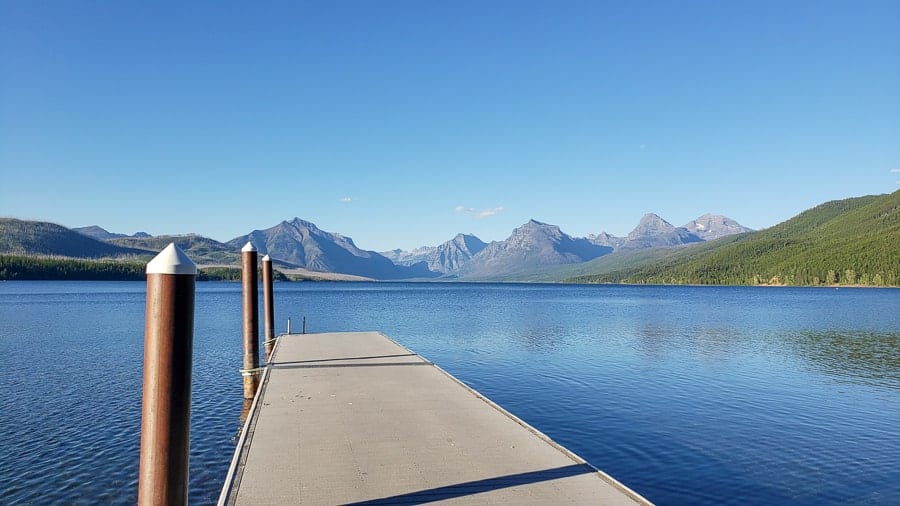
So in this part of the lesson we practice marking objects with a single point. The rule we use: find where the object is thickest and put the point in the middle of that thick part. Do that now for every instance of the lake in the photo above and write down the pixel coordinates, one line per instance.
(689, 395)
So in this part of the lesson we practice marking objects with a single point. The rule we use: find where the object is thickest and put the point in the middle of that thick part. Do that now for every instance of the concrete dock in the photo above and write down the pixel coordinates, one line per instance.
(355, 418)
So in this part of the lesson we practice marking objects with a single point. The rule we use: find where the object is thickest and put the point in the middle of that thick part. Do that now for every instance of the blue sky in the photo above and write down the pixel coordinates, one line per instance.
(401, 124)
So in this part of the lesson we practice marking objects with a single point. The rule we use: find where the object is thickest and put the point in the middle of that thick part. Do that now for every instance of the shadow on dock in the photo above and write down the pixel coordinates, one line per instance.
(339, 419)
(479, 486)
(363, 361)
(345, 359)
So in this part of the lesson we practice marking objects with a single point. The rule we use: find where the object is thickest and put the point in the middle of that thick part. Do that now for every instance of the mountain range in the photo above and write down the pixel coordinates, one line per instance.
(300, 244)
(532, 246)
(446, 258)
(101, 234)
(303, 244)
(842, 241)
(18, 237)
(853, 241)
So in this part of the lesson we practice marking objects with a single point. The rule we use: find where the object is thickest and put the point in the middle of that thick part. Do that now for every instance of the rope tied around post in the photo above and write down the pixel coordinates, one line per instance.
(252, 372)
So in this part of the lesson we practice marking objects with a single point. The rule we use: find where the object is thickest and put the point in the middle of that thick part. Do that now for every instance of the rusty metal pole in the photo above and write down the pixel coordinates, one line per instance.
(166, 409)
(250, 282)
(268, 306)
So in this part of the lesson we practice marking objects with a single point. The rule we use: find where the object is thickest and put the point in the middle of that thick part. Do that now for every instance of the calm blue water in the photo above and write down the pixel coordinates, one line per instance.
(689, 395)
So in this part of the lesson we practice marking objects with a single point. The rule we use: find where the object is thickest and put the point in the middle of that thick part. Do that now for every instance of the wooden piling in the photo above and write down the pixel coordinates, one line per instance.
(268, 306)
(166, 405)
(250, 285)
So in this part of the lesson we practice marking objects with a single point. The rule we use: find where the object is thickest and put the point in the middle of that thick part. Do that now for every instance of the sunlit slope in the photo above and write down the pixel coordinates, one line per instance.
(21, 237)
(851, 241)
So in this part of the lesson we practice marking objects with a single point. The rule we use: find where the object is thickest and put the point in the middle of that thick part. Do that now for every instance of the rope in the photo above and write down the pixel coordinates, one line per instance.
(251, 372)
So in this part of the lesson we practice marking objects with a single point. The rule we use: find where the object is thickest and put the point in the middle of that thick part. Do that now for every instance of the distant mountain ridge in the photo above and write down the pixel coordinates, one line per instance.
(22, 237)
(851, 241)
(655, 232)
(101, 234)
(537, 246)
(710, 227)
(604, 239)
(303, 244)
(202, 250)
(446, 258)
(533, 245)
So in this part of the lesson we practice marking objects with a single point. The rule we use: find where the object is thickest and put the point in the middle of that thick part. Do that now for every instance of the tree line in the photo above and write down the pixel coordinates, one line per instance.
(21, 267)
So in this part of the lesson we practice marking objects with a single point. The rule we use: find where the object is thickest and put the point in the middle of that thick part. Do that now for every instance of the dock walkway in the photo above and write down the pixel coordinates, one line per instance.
(355, 418)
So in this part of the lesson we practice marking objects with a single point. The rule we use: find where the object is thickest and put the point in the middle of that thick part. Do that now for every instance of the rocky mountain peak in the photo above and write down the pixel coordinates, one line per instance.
(533, 227)
(448, 257)
(301, 243)
(533, 245)
(651, 224)
(469, 243)
(714, 226)
(606, 239)
(655, 232)
(301, 224)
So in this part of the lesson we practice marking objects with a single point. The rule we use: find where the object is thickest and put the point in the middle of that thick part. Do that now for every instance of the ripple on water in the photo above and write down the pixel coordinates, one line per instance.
(688, 395)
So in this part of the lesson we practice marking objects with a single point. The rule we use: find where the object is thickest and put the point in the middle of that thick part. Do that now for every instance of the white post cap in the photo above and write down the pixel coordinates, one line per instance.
(171, 260)
(248, 247)
(266, 259)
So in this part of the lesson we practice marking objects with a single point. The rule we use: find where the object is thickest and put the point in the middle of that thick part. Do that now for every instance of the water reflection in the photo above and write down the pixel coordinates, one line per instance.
(653, 341)
(689, 395)
(716, 344)
(864, 357)
(245, 411)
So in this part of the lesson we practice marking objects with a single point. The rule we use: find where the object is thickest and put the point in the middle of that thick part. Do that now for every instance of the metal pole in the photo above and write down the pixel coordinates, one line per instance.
(289, 326)
(268, 306)
(304, 325)
(250, 284)
(166, 408)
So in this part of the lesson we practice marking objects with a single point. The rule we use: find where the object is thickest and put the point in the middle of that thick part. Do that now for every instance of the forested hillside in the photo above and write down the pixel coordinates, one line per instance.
(20, 267)
(20, 237)
(848, 242)
(202, 250)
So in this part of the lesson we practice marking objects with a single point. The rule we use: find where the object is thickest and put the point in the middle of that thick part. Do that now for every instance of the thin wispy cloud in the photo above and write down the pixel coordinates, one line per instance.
(895, 171)
(346, 200)
(482, 213)
(485, 213)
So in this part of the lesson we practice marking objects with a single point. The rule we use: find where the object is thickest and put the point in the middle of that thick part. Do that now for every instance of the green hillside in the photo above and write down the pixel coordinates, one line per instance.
(201, 250)
(614, 262)
(31, 250)
(20, 237)
(851, 242)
